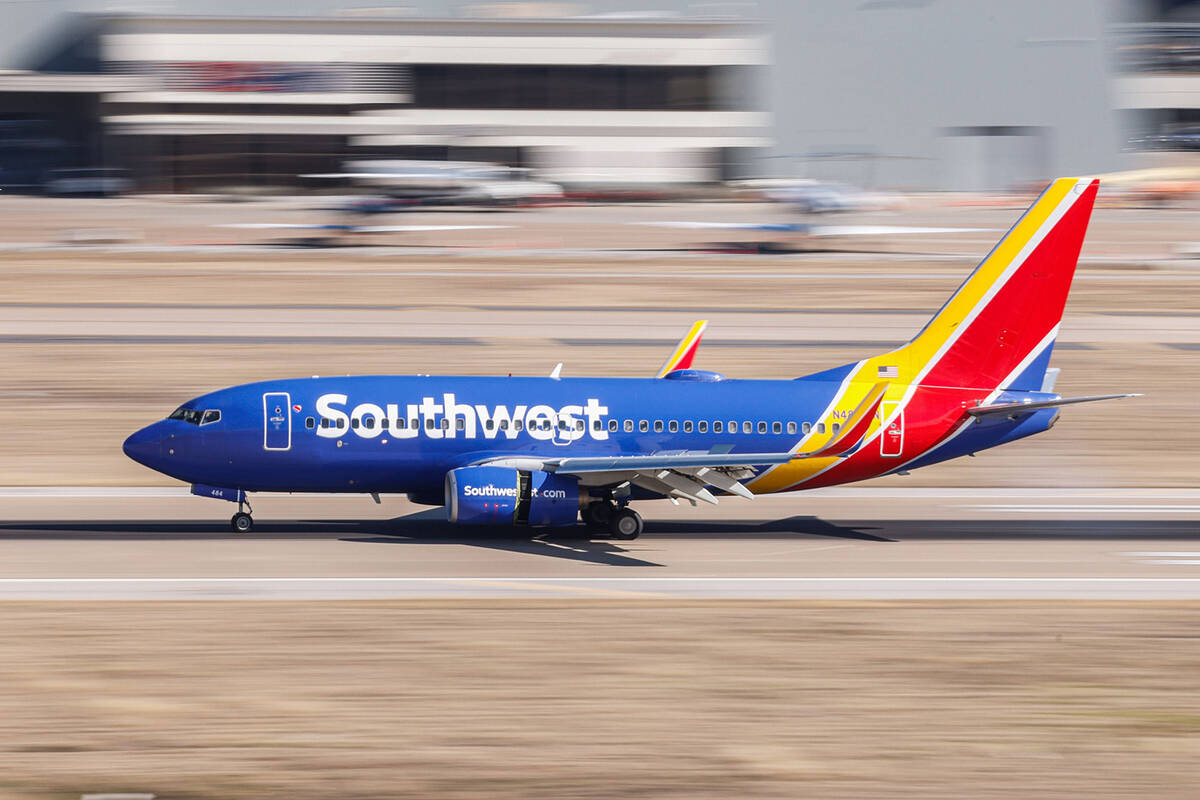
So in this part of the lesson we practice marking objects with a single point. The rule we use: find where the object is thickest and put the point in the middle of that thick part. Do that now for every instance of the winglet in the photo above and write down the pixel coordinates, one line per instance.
(685, 351)
(855, 427)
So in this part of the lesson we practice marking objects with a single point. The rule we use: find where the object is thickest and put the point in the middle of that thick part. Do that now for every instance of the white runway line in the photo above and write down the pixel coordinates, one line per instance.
(1102, 508)
(781, 588)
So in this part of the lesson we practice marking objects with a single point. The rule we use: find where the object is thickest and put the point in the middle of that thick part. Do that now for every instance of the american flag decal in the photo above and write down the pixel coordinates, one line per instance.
(889, 372)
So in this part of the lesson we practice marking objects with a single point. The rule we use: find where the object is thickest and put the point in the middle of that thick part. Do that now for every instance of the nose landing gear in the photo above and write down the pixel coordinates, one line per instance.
(242, 522)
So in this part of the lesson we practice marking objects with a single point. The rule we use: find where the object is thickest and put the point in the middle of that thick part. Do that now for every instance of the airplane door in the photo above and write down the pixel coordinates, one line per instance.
(891, 440)
(277, 421)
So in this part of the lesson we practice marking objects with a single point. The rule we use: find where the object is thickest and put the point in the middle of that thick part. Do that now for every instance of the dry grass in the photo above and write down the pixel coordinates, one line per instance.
(598, 700)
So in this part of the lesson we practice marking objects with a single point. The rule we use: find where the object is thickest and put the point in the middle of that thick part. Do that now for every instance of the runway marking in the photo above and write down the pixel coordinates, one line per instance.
(650, 588)
(1166, 558)
(1075, 509)
(542, 587)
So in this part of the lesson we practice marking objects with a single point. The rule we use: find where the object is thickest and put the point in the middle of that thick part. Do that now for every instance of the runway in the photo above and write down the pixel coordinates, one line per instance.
(852, 543)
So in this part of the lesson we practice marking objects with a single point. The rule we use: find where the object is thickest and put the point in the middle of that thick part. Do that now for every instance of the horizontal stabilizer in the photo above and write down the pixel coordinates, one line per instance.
(1011, 409)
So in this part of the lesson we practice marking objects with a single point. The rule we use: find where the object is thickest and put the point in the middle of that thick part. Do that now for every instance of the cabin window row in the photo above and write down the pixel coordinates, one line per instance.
(629, 425)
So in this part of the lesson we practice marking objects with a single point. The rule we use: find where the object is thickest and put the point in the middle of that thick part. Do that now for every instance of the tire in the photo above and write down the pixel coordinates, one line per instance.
(241, 522)
(626, 525)
(598, 514)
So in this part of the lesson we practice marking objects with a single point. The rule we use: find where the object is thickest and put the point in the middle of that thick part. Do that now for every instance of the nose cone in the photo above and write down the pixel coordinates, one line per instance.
(145, 446)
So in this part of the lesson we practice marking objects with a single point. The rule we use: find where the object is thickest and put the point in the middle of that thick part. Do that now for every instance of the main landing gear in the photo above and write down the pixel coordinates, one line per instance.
(620, 523)
(242, 522)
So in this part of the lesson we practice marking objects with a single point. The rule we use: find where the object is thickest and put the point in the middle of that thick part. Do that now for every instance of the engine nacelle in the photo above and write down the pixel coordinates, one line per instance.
(505, 496)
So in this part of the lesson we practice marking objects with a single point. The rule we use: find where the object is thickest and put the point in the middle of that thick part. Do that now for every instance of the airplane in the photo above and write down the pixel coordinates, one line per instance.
(409, 184)
(548, 451)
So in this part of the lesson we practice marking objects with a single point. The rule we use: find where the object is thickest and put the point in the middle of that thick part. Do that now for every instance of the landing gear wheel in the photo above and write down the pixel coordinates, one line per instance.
(598, 514)
(241, 522)
(626, 524)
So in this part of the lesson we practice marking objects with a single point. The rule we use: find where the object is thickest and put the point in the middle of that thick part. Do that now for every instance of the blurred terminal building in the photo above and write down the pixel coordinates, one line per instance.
(968, 95)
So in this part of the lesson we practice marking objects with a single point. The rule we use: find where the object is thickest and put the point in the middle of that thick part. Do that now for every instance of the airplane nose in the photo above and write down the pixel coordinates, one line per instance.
(145, 446)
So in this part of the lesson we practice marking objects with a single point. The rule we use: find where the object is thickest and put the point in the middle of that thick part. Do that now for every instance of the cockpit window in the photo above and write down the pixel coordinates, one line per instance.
(196, 416)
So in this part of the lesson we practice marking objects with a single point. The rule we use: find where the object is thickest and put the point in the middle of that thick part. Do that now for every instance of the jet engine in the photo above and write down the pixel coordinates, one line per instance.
(486, 495)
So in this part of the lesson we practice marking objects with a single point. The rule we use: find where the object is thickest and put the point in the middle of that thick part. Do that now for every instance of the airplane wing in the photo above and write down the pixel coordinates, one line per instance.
(1012, 409)
(673, 475)
(813, 230)
(683, 354)
(688, 474)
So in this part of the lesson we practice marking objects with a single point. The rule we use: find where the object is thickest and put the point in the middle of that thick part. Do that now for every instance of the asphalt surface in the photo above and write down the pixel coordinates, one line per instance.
(857, 543)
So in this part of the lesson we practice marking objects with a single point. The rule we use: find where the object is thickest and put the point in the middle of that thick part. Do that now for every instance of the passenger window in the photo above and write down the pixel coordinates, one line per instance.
(806, 428)
(503, 424)
(791, 427)
(310, 423)
(518, 424)
(354, 424)
(733, 426)
(415, 424)
(718, 426)
(490, 424)
(687, 426)
(369, 423)
(776, 427)
(820, 427)
(673, 426)
(643, 425)
(578, 424)
(747, 426)
(837, 426)
(400, 423)
(384, 422)
(445, 424)
(324, 422)
(460, 424)
(597, 425)
(341, 423)
(612, 426)
(658, 426)
(429, 423)
(629, 426)
(762, 427)
(702, 426)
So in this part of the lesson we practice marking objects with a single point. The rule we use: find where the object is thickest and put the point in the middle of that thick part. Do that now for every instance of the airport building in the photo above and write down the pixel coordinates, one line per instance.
(882, 94)
(205, 102)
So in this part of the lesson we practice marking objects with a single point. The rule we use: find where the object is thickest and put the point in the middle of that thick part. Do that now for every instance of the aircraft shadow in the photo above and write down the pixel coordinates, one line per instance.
(579, 544)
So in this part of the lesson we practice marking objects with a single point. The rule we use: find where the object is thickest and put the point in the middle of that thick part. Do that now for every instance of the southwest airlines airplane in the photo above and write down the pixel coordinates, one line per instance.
(546, 451)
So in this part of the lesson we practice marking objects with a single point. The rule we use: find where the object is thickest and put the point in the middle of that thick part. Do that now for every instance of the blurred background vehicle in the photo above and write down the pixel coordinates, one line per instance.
(88, 182)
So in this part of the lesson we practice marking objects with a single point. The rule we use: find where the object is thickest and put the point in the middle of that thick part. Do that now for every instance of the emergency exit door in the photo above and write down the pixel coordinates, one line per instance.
(891, 440)
(277, 421)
